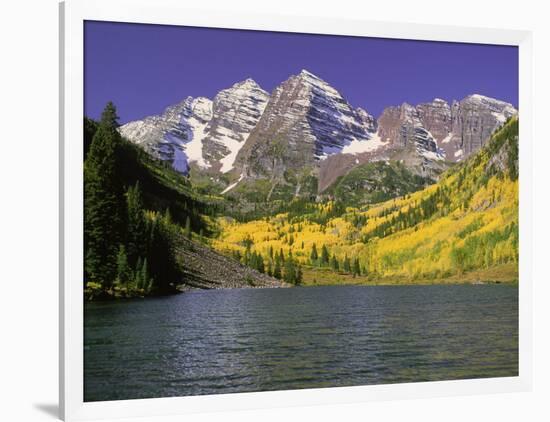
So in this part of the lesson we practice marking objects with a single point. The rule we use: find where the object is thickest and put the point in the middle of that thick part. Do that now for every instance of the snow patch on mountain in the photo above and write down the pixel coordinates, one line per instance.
(430, 155)
(232, 185)
(236, 112)
(175, 135)
(447, 138)
(234, 147)
(193, 148)
(200, 131)
(358, 147)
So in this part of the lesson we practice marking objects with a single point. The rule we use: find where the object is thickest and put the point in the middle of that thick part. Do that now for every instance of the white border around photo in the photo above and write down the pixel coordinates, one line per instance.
(73, 13)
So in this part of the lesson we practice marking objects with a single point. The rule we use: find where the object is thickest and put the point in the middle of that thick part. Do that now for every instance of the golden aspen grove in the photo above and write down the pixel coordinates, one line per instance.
(463, 228)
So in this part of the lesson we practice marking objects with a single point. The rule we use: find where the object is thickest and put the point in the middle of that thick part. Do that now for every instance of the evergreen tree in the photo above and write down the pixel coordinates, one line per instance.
(104, 208)
(136, 226)
(161, 259)
(260, 263)
(314, 256)
(356, 267)
(290, 271)
(188, 227)
(247, 256)
(347, 264)
(90, 127)
(145, 282)
(269, 268)
(137, 274)
(334, 263)
(124, 273)
(167, 218)
(277, 268)
(299, 275)
(324, 255)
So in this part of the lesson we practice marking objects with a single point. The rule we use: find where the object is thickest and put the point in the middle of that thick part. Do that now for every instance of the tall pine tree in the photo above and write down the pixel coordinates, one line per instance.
(347, 264)
(324, 255)
(124, 273)
(277, 269)
(314, 255)
(356, 267)
(136, 228)
(104, 208)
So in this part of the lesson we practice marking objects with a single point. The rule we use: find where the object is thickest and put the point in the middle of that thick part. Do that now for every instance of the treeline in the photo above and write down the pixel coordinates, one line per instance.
(345, 265)
(276, 264)
(288, 268)
(127, 247)
(376, 182)
(298, 209)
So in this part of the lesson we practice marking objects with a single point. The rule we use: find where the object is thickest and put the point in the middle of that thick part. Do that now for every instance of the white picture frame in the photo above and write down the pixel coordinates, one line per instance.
(73, 13)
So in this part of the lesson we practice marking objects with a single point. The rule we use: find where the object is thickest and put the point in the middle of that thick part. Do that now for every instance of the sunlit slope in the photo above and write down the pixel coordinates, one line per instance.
(465, 227)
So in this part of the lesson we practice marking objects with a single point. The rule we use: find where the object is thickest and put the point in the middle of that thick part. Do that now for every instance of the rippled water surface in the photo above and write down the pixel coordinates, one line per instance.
(223, 341)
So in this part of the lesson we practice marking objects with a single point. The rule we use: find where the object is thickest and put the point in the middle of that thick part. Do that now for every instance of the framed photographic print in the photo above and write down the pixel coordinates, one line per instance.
(261, 210)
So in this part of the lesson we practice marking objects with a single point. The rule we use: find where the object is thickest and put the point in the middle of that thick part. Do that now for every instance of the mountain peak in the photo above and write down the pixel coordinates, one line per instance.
(315, 82)
(438, 100)
(479, 97)
(307, 75)
(305, 72)
(485, 99)
(247, 83)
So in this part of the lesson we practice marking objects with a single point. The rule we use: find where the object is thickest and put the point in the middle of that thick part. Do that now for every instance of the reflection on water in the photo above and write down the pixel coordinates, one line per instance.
(211, 342)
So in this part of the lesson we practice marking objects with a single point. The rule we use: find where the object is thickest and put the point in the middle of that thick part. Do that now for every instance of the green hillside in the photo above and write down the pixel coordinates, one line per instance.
(460, 228)
(376, 182)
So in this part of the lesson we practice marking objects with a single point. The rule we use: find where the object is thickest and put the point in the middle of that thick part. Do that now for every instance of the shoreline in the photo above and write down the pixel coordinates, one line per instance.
(108, 296)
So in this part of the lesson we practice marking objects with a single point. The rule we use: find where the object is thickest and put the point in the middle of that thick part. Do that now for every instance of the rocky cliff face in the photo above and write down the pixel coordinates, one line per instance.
(201, 132)
(175, 135)
(306, 128)
(474, 119)
(305, 121)
(236, 112)
(436, 118)
(412, 143)
(454, 132)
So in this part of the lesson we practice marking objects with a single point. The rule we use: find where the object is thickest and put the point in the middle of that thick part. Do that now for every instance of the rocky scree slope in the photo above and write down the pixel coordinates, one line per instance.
(205, 268)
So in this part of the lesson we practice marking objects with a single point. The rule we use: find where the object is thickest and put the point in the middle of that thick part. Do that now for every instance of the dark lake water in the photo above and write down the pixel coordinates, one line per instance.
(223, 341)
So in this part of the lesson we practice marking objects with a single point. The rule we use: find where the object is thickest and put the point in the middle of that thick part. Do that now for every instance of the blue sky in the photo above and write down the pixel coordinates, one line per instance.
(144, 68)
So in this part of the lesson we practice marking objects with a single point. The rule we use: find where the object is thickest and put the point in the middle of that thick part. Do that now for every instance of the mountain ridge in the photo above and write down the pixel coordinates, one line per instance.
(306, 128)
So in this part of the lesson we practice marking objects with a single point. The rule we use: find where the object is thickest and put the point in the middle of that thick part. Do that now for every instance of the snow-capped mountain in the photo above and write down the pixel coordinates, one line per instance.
(454, 131)
(473, 120)
(307, 128)
(236, 112)
(175, 135)
(402, 127)
(201, 132)
(305, 121)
